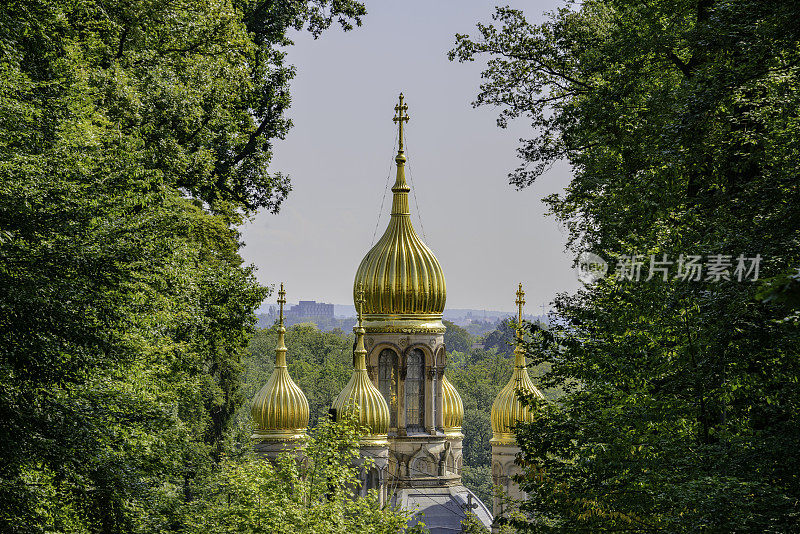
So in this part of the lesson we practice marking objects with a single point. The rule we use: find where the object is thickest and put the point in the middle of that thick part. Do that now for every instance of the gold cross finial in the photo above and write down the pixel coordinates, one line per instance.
(281, 301)
(401, 116)
(520, 302)
(360, 301)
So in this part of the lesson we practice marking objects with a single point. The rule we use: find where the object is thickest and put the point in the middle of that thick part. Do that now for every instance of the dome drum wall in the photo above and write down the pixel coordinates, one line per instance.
(271, 448)
(424, 462)
(373, 470)
(504, 468)
(392, 382)
(432, 456)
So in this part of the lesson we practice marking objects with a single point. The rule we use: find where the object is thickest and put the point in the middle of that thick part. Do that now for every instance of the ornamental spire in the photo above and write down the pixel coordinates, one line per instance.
(360, 396)
(360, 359)
(401, 116)
(280, 408)
(520, 302)
(400, 188)
(519, 351)
(280, 349)
(507, 409)
(281, 302)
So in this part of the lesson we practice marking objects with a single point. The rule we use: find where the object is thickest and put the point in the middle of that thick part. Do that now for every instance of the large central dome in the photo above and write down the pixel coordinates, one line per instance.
(402, 279)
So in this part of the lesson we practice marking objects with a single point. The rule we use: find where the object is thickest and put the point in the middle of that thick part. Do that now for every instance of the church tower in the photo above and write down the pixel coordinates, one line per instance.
(507, 411)
(405, 293)
(280, 409)
(360, 398)
(404, 299)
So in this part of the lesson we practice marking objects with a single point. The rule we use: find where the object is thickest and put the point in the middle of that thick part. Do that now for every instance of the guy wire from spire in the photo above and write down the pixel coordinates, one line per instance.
(385, 188)
(414, 193)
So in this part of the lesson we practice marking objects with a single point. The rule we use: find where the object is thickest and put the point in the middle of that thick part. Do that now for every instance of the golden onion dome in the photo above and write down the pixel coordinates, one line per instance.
(452, 408)
(403, 282)
(360, 396)
(280, 409)
(507, 410)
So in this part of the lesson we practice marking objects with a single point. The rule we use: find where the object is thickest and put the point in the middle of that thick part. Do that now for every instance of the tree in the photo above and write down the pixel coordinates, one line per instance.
(315, 496)
(680, 121)
(134, 137)
(319, 362)
(456, 338)
(501, 338)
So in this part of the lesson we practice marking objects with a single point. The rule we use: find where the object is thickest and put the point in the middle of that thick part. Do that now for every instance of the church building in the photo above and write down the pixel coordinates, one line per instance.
(398, 387)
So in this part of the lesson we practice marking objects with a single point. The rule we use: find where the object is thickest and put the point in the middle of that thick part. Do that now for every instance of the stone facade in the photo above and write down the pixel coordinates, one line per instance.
(407, 368)
(503, 470)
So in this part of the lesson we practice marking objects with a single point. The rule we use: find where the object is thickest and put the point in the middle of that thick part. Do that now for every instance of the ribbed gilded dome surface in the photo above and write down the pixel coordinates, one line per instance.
(507, 409)
(452, 408)
(360, 395)
(401, 276)
(402, 279)
(280, 409)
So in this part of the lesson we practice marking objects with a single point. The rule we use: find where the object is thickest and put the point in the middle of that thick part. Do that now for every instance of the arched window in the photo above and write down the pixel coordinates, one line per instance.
(387, 382)
(415, 391)
(373, 479)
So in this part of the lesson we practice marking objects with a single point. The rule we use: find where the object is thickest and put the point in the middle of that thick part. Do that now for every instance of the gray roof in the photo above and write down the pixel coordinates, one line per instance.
(441, 509)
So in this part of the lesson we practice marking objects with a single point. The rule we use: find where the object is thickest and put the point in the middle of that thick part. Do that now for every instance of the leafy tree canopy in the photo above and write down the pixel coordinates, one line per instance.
(134, 136)
(314, 496)
(680, 120)
(456, 338)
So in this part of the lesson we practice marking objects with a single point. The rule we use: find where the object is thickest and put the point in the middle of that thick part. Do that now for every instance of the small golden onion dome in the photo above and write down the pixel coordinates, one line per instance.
(452, 408)
(280, 409)
(362, 397)
(403, 282)
(507, 409)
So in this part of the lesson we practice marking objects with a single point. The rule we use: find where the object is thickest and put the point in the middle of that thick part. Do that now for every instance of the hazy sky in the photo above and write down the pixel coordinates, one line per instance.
(487, 236)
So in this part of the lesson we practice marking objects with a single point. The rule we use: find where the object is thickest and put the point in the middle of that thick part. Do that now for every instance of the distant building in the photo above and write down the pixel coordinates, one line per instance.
(311, 308)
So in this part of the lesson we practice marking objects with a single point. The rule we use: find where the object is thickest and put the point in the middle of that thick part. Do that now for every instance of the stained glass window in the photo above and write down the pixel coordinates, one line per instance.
(387, 382)
(415, 391)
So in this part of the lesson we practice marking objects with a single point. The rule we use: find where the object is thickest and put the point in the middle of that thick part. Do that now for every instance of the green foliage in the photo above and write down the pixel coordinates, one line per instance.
(478, 379)
(134, 137)
(680, 120)
(319, 362)
(456, 338)
(315, 496)
(479, 328)
(501, 338)
(479, 480)
(473, 525)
